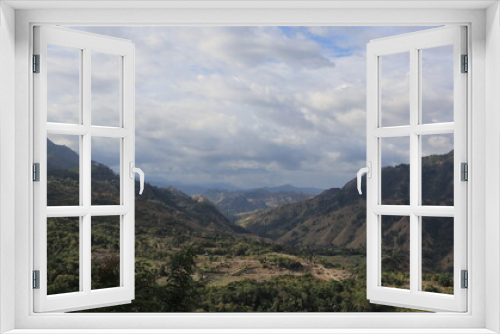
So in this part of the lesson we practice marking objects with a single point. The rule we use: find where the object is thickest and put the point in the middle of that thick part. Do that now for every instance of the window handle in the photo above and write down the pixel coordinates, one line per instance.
(368, 171)
(134, 170)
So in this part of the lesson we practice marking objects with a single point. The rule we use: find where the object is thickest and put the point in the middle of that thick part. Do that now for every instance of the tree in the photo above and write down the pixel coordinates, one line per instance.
(181, 291)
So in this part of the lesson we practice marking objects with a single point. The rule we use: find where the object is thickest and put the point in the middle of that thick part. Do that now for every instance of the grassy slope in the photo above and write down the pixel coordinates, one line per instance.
(230, 263)
(338, 218)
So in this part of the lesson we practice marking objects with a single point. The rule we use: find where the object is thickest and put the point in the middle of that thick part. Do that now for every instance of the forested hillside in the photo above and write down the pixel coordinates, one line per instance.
(338, 218)
(302, 257)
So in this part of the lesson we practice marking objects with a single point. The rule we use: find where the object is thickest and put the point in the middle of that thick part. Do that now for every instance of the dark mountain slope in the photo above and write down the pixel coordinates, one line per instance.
(289, 187)
(158, 210)
(337, 218)
(61, 157)
(310, 222)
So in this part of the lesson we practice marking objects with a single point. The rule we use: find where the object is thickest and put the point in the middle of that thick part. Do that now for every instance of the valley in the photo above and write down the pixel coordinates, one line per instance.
(243, 251)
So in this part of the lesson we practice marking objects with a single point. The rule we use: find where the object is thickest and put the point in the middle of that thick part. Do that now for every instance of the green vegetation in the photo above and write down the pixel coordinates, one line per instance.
(105, 259)
(283, 293)
(307, 256)
(63, 255)
(282, 262)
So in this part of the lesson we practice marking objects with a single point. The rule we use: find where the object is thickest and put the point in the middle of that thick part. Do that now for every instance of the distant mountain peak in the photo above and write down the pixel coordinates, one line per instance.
(290, 187)
(61, 156)
(166, 209)
(337, 217)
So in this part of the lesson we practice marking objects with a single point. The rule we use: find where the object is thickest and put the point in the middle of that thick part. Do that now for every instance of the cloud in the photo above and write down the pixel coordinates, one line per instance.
(437, 84)
(63, 84)
(255, 46)
(250, 106)
(395, 151)
(437, 144)
(105, 87)
(395, 89)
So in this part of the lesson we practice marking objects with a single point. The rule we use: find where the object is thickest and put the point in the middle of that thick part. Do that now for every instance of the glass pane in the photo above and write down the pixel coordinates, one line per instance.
(395, 89)
(437, 254)
(106, 89)
(63, 255)
(63, 170)
(437, 169)
(437, 84)
(395, 251)
(105, 171)
(63, 84)
(105, 252)
(395, 174)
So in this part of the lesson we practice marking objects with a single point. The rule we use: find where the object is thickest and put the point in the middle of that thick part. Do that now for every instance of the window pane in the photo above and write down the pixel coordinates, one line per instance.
(63, 170)
(106, 89)
(63, 255)
(395, 89)
(395, 174)
(437, 169)
(105, 252)
(106, 171)
(395, 251)
(63, 84)
(437, 84)
(437, 254)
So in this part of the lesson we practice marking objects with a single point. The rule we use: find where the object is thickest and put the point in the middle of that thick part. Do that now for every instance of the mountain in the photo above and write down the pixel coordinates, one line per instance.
(61, 157)
(291, 188)
(338, 217)
(235, 204)
(196, 189)
(192, 189)
(164, 211)
(331, 218)
(227, 257)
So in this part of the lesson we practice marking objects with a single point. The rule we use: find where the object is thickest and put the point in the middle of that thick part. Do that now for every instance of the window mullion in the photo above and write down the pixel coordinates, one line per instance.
(86, 253)
(86, 157)
(86, 122)
(414, 171)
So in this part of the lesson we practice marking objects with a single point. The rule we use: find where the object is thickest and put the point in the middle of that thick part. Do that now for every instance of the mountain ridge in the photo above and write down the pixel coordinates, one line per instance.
(337, 218)
(317, 229)
(166, 209)
(237, 204)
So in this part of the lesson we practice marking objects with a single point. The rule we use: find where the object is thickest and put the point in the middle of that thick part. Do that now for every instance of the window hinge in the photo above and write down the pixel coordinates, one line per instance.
(36, 172)
(36, 279)
(465, 279)
(465, 64)
(36, 63)
(464, 169)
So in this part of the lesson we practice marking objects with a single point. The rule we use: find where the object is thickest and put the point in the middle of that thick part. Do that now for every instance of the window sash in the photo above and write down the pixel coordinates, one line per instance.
(86, 297)
(414, 297)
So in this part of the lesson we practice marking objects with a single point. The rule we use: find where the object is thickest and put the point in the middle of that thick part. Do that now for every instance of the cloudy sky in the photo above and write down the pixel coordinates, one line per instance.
(252, 106)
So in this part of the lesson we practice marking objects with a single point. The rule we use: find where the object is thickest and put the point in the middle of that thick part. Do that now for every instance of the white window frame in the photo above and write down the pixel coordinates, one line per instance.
(484, 103)
(413, 44)
(86, 44)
